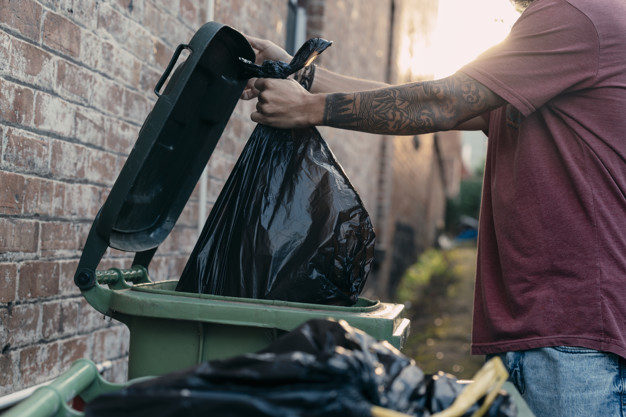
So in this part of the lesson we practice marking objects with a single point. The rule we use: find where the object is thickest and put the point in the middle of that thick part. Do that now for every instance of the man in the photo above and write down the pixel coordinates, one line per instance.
(551, 271)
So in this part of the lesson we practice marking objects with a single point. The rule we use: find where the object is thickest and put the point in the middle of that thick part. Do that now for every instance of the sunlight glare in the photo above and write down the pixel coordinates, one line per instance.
(464, 29)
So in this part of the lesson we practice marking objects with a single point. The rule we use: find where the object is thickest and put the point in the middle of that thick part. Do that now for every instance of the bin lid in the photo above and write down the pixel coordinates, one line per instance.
(174, 144)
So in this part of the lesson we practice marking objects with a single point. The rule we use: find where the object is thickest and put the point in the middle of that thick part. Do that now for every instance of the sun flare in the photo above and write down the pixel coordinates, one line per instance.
(463, 30)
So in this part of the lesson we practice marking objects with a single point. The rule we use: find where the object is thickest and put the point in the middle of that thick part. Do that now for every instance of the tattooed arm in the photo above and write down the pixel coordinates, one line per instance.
(408, 109)
(411, 108)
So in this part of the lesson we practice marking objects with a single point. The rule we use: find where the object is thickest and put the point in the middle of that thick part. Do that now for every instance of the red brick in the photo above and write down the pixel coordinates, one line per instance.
(110, 343)
(84, 12)
(135, 106)
(54, 114)
(58, 199)
(220, 165)
(20, 323)
(71, 350)
(214, 189)
(108, 96)
(119, 64)
(315, 8)
(162, 56)
(25, 152)
(38, 279)
(5, 50)
(18, 235)
(11, 193)
(39, 364)
(169, 31)
(74, 81)
(39, 197)
(172, 6)
(68, 160)
(127, 5)
(141, 44)
(189, 12)
(114, 23)
(83, 232)
(178, 265)
(118, 373)
(58, 238)
(152, 18)
(8, 281)
(16, 103)
(32, 64)
(8, 375)
(61, 35)
(90, 127)
(90, 319)
(189, 216)
(149, 77)
(66, 278)
(90, 49)
(59, 319)
(23, 16)
(101, 168)
(119, 136)
(82, 201)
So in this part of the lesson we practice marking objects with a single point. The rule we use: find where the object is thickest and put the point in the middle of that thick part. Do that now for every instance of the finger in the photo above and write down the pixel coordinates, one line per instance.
(257, 117)
(248, 94)
(260, 84)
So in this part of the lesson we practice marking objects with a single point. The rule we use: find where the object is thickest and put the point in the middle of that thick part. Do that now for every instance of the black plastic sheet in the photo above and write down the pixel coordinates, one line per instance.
(288, 224)
(323, 368)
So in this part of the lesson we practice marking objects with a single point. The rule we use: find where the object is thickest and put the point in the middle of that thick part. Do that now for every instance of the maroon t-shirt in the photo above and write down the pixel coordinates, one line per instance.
(552, 242)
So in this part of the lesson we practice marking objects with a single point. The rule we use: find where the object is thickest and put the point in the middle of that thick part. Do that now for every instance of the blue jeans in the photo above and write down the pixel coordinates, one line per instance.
(569, 381)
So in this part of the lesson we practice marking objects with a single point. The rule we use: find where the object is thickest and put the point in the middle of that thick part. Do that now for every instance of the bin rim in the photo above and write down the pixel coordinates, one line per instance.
(362, 305)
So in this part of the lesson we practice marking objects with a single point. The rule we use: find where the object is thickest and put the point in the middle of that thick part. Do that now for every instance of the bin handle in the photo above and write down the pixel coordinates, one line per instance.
(170, 66)
(487, 382)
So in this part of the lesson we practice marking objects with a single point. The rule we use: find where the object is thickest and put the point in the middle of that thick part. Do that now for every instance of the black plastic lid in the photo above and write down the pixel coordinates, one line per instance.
(174, 144)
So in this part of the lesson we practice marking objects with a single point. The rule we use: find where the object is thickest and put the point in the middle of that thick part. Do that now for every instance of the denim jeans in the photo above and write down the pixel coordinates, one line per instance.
(569, 381)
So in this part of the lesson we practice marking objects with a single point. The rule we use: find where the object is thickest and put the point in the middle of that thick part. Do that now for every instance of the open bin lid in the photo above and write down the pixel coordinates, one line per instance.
(172, 149)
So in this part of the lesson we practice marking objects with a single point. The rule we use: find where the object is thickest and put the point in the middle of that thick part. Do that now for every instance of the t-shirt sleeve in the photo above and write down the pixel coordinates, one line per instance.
(552, 49)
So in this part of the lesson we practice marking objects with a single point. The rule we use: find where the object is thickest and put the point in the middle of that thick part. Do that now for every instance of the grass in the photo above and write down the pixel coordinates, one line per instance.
(438, 293)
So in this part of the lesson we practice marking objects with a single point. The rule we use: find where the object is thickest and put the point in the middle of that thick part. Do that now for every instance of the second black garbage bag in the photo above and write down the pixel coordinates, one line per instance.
(323, 368)
(288, 224)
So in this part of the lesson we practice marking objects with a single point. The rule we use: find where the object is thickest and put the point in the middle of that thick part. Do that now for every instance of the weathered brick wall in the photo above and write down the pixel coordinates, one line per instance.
(76, 80)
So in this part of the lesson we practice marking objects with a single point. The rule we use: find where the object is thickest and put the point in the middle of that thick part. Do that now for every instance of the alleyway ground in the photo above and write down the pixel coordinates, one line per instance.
(438, 291)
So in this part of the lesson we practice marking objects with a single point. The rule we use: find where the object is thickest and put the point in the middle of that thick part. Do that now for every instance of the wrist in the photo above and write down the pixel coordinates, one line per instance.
(316, 103)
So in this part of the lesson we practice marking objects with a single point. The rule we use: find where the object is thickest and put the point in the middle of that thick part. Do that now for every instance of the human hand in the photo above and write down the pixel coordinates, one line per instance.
(264, 50)
(286, 104)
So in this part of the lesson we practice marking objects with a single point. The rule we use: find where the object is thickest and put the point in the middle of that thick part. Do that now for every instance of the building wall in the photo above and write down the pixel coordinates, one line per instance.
(76, 81)
(422, 170)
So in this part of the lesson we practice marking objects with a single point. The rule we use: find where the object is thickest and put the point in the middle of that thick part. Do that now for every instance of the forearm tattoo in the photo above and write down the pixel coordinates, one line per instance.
(411, 108)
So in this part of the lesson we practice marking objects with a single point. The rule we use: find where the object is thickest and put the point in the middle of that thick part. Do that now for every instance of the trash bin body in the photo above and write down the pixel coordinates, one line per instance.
(171, 330)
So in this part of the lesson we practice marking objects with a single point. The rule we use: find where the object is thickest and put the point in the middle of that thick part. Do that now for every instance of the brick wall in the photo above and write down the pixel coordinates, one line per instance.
(75, 86)
(76, 81)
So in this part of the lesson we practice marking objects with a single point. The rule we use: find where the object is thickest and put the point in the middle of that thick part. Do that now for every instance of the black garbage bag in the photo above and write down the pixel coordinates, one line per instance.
(323, 368)
(288, 224)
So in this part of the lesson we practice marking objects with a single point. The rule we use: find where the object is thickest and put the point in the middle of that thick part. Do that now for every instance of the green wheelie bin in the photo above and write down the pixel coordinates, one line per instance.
(170, 330)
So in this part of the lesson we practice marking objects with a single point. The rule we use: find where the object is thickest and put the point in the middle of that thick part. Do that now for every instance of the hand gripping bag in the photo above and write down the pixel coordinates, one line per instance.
(288, 224)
